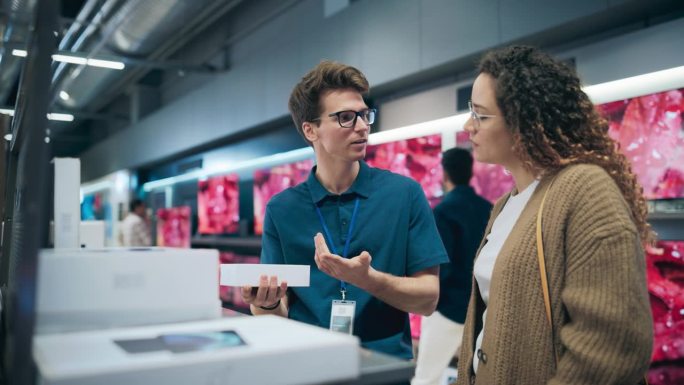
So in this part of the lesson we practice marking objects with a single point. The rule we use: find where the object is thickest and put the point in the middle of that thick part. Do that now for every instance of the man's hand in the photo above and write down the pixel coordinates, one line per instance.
(355, 270)
(267, 294)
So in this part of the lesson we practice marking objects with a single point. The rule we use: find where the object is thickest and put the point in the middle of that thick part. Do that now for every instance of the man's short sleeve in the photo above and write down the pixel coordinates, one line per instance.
(271, 249)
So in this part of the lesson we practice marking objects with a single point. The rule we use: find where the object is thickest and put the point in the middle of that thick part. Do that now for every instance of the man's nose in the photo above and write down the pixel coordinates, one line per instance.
(361, 125)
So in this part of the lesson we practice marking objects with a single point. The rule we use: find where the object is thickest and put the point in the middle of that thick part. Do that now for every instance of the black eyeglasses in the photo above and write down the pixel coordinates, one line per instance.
(347, 118)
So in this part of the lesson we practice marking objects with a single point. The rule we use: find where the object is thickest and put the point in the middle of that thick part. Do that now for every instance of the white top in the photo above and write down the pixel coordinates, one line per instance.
(484, 264)
(135, 231)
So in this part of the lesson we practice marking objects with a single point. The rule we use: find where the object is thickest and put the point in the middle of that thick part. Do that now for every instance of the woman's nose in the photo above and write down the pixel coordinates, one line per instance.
(469, 126)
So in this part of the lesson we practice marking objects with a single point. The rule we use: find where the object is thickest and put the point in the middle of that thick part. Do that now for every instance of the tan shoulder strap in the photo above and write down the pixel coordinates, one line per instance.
(542, 266)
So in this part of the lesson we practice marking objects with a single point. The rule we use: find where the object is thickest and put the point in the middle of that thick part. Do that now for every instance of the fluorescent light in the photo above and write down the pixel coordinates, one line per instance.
(60, 117)
(645, 84)
(8, 137)
(73, 59)
(64, 95)
(70, 59)
(50, 115)
(19, 52)
(117, 65)
(95, 187)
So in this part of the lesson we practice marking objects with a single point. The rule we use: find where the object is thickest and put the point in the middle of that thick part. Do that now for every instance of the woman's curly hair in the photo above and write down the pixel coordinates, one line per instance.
(554, 124)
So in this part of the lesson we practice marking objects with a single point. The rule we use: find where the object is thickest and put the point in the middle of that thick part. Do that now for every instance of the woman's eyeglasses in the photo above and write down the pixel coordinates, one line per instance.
(477, 118)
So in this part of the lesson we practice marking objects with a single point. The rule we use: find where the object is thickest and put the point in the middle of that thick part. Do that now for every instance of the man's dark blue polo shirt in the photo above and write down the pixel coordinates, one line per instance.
(394, 224)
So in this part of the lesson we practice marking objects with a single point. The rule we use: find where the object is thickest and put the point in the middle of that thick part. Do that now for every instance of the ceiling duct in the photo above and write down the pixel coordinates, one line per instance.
(136, 29)
(19, 14)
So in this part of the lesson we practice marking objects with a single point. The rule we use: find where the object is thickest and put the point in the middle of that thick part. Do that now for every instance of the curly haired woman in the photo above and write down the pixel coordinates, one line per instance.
(529, 114)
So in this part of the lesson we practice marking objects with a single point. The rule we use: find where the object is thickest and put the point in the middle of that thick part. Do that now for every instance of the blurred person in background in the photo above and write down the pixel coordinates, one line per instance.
(135, 229)
(461, 219)
(530, 115)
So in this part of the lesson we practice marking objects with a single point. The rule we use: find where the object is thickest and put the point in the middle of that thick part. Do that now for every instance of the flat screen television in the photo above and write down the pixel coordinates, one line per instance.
(269, 182)
(491, 181)
(218, 205)
(665, 273)
(173, 227)
(95, 206)
(417, 158)
(650, 132)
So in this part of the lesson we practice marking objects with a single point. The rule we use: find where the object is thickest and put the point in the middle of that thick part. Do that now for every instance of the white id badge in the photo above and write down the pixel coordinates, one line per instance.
(342, 316)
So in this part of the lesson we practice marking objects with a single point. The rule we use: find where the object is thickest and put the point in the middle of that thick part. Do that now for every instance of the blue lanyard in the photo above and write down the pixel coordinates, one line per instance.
(345, 251)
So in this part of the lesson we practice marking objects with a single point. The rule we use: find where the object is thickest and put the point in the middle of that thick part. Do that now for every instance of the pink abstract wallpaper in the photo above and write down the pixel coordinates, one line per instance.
(173, 227)
(489, 180)
(665, 272)
(218, 205)
(418, 158)
(269, 182)
(650, 132)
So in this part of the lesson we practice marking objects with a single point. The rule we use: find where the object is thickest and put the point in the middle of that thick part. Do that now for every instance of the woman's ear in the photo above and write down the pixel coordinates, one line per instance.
(309, 130)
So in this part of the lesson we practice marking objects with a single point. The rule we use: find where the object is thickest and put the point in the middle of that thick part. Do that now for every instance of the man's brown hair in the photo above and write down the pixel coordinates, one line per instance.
(305, 98)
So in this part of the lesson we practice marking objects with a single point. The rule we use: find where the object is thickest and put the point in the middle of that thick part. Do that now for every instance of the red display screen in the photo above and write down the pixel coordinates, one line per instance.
(417, 158)
(650, 133)
(218, 207)
(491, 181)
(173, 227)
(269, 182)
(665, 272)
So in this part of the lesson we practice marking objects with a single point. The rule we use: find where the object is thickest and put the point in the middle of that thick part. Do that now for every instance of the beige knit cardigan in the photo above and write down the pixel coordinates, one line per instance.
(597, 281)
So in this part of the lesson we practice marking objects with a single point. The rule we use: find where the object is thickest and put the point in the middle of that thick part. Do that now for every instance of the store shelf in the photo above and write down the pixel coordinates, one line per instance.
(241, 242)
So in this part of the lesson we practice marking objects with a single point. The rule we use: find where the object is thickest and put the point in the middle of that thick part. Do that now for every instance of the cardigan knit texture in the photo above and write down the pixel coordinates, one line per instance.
(602, 326)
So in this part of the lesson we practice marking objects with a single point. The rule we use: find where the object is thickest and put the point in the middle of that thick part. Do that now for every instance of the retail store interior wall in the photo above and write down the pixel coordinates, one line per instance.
(393, 42)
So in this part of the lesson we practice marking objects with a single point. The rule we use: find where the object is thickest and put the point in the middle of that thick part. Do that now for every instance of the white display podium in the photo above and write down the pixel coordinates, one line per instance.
(263, 350)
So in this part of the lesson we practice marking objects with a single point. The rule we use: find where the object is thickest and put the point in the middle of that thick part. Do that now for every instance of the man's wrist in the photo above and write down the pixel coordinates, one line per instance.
(372, 282)
(272, 307)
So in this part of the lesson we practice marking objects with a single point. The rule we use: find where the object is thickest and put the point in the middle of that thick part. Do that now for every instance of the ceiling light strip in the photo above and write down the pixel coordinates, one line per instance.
(645, 84)
(80, 60)
(51, 115)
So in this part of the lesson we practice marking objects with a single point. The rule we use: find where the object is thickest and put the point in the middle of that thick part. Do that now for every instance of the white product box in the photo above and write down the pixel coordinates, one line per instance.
(237, 350)
(82, 289)
(248, 274)
(92, 234)
(67, 213)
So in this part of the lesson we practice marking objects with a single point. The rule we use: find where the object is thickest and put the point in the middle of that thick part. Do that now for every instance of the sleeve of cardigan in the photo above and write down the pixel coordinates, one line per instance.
(608, 336)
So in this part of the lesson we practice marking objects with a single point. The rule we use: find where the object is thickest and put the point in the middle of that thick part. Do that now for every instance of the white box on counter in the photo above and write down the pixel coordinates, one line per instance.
(236, 350)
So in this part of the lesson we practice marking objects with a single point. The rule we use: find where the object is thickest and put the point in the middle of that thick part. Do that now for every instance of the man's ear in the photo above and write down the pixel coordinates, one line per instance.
(309, 130)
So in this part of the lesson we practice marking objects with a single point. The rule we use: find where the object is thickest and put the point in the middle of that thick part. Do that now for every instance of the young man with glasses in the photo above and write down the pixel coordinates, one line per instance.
(368, 234)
